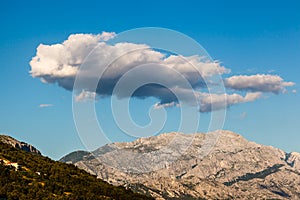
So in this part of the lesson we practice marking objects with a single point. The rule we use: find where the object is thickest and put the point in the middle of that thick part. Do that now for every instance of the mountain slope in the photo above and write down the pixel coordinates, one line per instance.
(233, 168)
(20, 145)
(25, 175)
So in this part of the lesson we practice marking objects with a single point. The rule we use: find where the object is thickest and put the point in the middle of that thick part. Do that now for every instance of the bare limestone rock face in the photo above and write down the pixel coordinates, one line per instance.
(19, 145)
(217, 165)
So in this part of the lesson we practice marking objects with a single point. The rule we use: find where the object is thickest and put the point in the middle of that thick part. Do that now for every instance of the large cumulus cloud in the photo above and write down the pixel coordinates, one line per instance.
(60, 63)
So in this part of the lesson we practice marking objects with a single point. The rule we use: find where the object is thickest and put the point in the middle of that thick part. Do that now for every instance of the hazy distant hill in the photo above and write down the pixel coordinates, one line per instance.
(26, 176)
(234, 169)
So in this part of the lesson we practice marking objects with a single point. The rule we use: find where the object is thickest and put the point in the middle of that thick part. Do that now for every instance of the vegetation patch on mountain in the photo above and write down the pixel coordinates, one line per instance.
(29, 176)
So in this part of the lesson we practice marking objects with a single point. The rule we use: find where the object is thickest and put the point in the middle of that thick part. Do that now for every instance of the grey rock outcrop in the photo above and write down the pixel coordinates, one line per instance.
(217, 165)
(20, 145)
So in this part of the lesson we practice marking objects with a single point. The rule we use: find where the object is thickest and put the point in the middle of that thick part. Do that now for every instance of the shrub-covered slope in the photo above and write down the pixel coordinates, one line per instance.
(38, 177)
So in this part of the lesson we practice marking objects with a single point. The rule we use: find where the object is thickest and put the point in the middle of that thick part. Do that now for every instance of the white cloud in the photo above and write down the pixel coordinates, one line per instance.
(85, 96)
(165, 105)
(63, 60)
(271, 71)
(243, 115)
(45, 105)
(258, 83)
(294, 91)
(211, 102)
(60, 63)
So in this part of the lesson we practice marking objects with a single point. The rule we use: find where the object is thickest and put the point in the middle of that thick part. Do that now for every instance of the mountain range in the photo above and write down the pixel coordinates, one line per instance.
(216, 165)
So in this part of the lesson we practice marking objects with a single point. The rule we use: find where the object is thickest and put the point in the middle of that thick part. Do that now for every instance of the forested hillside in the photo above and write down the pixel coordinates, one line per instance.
(38, 177)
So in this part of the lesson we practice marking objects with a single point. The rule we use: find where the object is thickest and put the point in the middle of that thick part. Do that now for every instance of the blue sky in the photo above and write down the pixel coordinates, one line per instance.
(249, 37)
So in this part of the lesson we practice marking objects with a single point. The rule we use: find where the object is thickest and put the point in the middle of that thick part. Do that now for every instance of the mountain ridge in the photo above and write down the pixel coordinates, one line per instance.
(20, 145)
(233, 167)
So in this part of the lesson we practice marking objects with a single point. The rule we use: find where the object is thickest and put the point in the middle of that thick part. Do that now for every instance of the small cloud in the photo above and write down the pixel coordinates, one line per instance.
(258, 83)
(271, 71)
(212, 102)
(251, 70)
(165, 105)
(85, 96)
(45, 105)
(243, 115)
(294, 91)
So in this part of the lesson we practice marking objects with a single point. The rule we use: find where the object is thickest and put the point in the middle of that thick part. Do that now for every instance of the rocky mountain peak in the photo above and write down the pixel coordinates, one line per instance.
(216, 165)
(20, 145)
